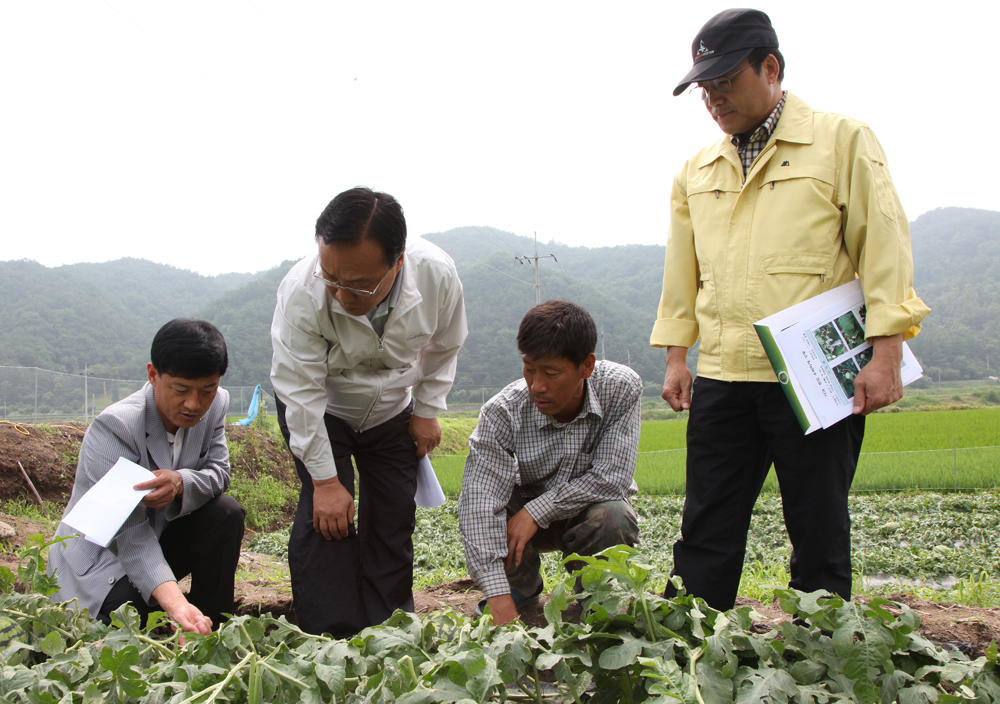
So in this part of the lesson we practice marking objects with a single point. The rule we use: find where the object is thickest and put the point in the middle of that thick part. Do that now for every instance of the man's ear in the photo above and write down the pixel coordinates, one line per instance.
(151, 373)
(771, 68)
(587, 366)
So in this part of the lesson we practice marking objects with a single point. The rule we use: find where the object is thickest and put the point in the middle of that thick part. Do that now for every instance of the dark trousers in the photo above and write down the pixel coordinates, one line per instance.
(342, 586)
(204, 544)
(596, 528)
(736, 430)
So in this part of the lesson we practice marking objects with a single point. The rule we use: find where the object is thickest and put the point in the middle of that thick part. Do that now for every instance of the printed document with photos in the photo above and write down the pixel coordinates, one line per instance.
(818, 348)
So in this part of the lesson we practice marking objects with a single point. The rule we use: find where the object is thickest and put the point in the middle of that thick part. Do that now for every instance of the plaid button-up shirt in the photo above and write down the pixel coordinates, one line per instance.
(561, 468)
(752, 148)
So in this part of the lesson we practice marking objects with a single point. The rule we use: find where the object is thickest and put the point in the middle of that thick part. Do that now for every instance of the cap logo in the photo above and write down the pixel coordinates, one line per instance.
(703, 51)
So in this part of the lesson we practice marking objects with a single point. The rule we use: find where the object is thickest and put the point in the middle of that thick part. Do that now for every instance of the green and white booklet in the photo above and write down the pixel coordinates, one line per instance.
(817, 348)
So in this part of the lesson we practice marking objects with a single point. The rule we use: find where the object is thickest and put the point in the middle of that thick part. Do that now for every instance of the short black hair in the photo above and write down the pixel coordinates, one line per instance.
(557, 329)
(758, 55)
(190, 349)
(362, 212)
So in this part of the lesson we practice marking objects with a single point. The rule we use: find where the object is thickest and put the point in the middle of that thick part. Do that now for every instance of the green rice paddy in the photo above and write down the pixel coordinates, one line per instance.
(939, 450)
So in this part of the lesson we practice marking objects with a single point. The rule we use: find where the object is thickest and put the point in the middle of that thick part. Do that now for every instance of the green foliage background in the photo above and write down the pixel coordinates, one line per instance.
(104, 315)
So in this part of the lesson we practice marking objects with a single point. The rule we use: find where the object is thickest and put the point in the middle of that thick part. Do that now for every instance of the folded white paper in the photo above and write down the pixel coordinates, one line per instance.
(429, 493)
(103, 509)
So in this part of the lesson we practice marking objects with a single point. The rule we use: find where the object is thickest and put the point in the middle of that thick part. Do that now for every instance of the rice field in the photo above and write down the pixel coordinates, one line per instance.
(940, 450)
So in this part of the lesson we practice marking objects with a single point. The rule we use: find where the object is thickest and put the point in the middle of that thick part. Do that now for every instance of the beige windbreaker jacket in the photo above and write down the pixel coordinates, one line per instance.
(327, 361)
(817, 210)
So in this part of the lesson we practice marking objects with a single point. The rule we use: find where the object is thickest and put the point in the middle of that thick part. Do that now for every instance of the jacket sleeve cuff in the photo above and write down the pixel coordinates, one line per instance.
(422, 410)
(543, 511)
(673, 332)
(151, 578)
(322, 468)
(892, 319)
(494, 582)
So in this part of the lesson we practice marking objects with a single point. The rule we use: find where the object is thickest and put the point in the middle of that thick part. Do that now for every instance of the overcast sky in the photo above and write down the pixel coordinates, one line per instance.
(209, 134)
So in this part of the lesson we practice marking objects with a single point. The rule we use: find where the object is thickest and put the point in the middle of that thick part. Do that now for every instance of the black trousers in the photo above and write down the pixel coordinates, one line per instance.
(736, 430)
(342, 586)
(204, 544)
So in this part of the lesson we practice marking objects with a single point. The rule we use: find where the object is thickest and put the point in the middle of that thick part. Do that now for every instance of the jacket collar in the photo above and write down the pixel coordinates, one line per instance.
(156, 435)
(795, 125)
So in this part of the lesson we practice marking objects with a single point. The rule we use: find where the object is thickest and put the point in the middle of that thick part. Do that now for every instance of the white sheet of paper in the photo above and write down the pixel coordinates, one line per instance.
(429, 493)
(103, 509)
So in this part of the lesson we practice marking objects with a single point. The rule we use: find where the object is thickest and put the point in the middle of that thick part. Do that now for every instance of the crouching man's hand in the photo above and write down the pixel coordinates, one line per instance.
(181, 611)
(502, 609)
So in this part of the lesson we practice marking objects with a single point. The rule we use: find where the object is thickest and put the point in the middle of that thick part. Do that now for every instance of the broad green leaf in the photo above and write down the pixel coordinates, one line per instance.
(621, 655)
(918, 694)
(52, 644)
(715, 687)
(767, 685)
(807, 671)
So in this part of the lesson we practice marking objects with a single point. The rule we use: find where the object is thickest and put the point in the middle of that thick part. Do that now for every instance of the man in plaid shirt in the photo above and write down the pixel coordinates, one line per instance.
(551, 461)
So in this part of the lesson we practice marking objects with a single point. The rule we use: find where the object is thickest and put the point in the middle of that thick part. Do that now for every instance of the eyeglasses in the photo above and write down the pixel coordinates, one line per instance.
(720, 86)
(355, 291)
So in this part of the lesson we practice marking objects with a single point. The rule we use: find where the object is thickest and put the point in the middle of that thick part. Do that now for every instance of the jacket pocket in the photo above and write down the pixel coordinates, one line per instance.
(883, 188)
(789, 278)
(81, 555)
(810, 173)
(706, 311)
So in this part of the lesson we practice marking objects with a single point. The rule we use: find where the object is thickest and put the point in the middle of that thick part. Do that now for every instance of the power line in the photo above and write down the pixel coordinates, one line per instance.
(568, 282)
(497, 235)
(538, 286)
(505, 274)
(483, 235)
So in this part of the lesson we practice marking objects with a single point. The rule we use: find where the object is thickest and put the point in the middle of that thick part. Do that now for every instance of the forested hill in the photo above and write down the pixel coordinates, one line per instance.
(104, 315)
(156, 291)
(99, 315)
(956, 255)
(619, 285)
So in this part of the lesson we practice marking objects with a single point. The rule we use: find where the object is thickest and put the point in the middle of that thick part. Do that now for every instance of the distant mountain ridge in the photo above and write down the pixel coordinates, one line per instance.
(104, 315)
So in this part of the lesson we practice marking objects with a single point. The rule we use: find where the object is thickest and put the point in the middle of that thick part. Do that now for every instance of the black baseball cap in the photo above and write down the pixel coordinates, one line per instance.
(723, 43)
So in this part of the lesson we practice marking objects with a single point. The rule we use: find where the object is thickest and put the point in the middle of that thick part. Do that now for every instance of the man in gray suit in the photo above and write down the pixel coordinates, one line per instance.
(175, 427)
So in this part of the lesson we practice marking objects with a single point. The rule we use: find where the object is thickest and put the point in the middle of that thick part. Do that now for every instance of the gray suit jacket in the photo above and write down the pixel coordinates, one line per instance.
(132, 429)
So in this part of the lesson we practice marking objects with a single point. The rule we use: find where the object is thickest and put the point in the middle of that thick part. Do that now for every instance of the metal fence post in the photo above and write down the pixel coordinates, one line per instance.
(954, 450)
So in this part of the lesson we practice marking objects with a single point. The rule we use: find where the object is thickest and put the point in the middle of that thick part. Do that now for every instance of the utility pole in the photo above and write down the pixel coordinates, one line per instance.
(538, 287)
(84, 392)
(602, 342)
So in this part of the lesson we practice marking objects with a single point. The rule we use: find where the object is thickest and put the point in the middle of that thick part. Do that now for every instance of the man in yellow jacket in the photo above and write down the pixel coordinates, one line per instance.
(791, 202)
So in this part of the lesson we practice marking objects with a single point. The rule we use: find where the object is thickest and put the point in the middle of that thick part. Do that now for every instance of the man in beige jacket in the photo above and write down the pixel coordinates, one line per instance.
(790, 203)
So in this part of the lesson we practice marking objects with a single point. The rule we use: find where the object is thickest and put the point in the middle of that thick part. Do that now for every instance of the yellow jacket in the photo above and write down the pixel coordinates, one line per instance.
(818, 209)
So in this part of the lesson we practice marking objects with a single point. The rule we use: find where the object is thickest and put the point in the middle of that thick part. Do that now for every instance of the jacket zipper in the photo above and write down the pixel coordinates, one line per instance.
(371, 408)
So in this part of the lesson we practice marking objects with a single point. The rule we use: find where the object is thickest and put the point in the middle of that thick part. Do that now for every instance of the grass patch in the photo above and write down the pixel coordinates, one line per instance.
(30, 510)
(69, 455)
(265, 499)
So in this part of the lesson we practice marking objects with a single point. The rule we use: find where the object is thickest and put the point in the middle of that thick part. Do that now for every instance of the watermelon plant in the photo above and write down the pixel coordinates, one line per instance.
(632, 646)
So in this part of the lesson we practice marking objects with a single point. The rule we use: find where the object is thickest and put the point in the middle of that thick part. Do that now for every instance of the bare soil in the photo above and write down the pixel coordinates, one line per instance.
(48, 455)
